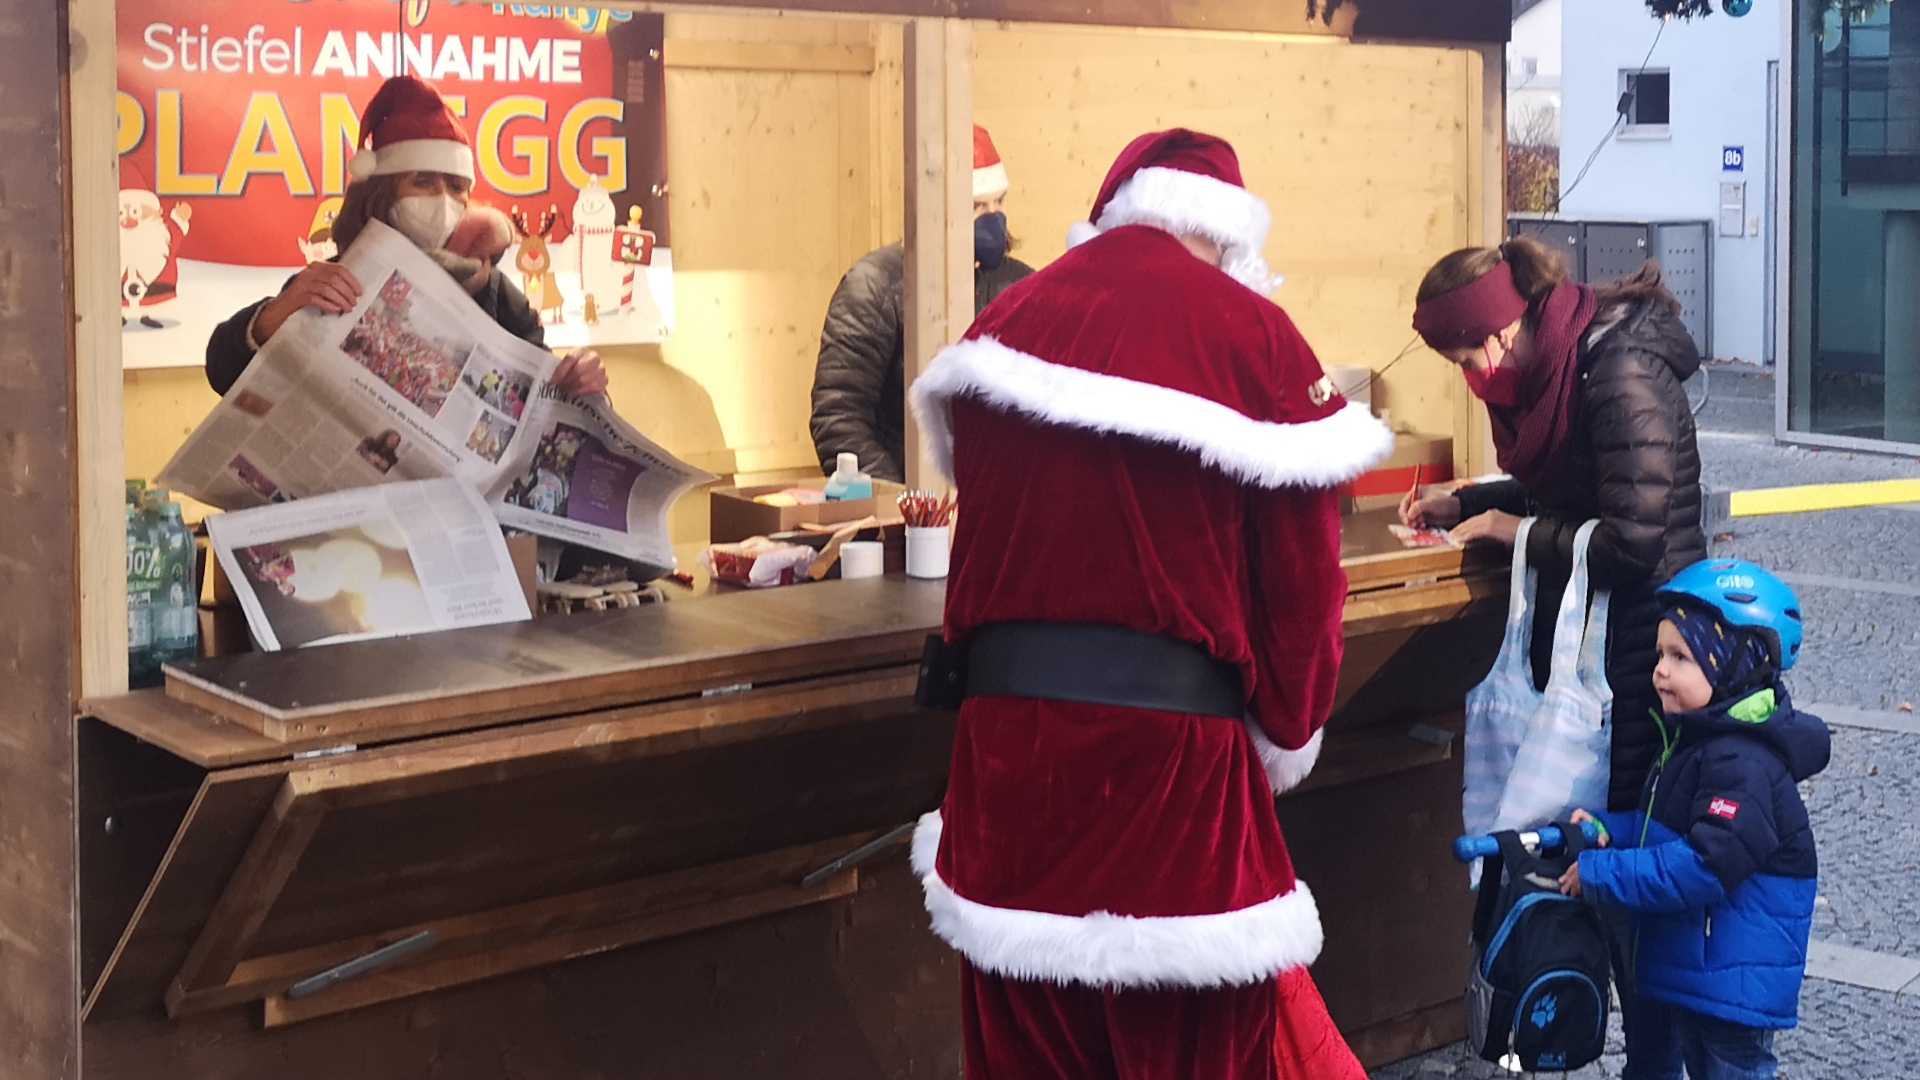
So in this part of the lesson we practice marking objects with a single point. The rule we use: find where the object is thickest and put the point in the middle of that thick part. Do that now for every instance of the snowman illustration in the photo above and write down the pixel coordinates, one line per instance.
(601, 275)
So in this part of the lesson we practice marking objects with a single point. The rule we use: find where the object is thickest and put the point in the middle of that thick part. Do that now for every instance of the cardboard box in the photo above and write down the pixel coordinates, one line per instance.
(733, 516)
(1427, 458)
(524, 550)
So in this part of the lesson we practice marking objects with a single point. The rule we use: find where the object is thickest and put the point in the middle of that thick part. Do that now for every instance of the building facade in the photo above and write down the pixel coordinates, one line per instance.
(1533, 73)
(1853, 375)
(1696, 142)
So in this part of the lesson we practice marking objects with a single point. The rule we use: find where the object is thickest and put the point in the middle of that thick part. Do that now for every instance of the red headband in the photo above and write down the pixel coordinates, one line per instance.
(1472, 313)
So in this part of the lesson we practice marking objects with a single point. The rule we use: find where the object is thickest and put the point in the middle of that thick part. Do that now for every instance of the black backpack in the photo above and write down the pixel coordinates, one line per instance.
(1540, 962)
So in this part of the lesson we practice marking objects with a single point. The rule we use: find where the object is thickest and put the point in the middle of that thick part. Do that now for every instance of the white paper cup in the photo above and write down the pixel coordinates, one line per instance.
(928, 550)
(862, 559)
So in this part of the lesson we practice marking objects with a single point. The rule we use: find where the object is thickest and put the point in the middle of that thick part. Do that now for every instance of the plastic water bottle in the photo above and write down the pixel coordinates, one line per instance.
(176, 632)
(847, 481)
(143, 581)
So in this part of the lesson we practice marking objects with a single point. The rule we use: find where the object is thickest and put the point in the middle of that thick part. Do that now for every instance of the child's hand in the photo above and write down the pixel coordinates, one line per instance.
(1570, 882)
(1581, 817)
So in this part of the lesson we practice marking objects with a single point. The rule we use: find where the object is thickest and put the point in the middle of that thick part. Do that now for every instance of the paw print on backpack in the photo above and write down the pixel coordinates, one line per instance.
(1545, 1010)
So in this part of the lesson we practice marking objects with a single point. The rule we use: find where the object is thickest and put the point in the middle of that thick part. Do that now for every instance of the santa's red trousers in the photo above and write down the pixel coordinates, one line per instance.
(1276, 1030)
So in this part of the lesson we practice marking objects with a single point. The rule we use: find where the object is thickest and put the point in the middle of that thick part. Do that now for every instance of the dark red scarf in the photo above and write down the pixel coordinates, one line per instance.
(1533, 436)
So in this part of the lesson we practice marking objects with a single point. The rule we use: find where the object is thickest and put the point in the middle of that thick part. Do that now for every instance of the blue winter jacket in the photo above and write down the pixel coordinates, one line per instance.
(1718, 865)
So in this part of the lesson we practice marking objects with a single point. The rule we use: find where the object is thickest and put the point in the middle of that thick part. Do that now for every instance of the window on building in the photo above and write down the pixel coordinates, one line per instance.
(1649, 104)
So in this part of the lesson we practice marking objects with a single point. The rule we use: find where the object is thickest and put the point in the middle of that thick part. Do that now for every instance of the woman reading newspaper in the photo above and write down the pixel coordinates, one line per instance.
(415, 172)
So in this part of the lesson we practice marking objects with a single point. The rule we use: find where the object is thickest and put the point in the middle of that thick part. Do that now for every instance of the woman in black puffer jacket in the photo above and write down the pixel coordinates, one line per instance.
(1583, 387)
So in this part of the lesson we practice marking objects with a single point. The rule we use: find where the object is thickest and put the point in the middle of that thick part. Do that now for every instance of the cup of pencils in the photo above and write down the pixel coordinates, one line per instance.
(929, 545)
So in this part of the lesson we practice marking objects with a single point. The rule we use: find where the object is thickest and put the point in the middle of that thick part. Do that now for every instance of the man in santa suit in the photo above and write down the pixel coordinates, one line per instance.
(1147, 591)
(149, 253)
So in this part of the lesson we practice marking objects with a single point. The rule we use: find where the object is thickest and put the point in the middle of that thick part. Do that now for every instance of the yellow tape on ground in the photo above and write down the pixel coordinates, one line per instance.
(1812, 497)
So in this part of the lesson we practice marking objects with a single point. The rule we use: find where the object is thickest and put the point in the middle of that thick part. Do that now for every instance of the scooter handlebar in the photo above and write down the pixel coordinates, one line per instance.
(1468, 848)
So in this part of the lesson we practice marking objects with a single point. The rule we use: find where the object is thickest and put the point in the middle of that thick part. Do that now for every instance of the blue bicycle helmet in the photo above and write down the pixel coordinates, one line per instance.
(1747, 596)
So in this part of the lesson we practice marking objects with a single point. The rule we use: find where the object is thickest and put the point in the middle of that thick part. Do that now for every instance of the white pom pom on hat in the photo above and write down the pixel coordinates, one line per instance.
(1080, 232)
(1186, 182)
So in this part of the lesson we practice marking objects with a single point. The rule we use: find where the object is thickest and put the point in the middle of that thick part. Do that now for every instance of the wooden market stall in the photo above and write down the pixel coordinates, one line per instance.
(610, 823)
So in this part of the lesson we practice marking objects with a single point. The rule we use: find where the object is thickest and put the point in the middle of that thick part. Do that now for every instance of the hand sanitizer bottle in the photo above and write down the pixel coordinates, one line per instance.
(848, 482)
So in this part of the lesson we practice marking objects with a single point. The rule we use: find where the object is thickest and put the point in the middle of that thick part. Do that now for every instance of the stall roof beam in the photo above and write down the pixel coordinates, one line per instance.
(1486, 22)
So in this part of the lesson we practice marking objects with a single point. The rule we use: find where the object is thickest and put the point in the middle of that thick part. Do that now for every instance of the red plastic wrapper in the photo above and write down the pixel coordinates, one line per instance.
(758, 563)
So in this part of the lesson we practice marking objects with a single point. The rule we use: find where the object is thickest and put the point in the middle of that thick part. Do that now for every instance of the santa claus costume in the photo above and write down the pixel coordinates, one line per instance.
(1143, 443)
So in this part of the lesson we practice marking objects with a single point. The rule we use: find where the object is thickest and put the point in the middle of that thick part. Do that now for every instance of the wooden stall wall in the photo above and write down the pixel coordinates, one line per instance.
(783, 143)
(39, 579)
(1364, 198)
(784, 151)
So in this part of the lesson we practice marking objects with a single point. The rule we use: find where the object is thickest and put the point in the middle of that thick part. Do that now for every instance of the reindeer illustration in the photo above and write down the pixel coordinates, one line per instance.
(535, 263)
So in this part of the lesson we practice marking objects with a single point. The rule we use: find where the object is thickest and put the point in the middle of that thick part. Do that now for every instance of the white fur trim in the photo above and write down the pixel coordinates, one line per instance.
(361, 165)
(990, 180)
(1285, 768)
(926, 843)
(1190, 204)
(424, 155)
(1080, 232)
(1102, 949)
(1320, 453)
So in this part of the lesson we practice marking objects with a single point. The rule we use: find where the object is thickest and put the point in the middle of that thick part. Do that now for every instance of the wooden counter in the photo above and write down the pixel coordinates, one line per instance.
(604, 820)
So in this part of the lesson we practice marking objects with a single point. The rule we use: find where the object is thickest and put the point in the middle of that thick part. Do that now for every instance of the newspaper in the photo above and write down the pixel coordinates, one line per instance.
(373, 562)
(416, 382)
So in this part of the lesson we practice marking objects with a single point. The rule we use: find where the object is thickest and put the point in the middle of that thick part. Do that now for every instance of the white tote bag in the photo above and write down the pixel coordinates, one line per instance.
(1534, 756)
(1499, 708)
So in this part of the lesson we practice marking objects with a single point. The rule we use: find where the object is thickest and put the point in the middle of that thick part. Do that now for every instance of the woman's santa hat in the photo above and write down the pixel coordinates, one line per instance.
(989, 173)
(408, 128)
(1189, 184)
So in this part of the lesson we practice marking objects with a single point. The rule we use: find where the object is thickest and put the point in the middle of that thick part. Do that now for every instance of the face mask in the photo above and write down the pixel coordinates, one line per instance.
(990, 240)
(1498, 386)
(427, 220)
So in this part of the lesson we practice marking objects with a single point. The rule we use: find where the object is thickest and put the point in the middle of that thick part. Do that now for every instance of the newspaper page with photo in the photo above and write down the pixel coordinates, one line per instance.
(583, 475)
(417, 382)
(375, 562)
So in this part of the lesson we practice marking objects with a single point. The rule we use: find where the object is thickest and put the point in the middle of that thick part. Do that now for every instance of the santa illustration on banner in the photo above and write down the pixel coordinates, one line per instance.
(149, 252)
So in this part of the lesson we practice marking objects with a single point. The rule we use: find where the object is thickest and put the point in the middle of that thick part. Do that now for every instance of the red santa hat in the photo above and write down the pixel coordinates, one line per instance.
(133, 177)
(408, 128)
(989, 173)
(135, 190)
(1189, 184)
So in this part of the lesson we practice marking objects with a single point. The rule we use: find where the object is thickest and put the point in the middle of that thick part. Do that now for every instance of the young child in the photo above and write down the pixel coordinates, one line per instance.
(1717, 869)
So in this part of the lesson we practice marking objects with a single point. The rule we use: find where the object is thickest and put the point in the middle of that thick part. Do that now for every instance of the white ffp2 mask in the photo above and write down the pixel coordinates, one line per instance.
(427, 220)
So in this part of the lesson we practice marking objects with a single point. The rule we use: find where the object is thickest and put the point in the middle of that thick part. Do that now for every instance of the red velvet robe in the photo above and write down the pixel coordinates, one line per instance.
(1139, 441)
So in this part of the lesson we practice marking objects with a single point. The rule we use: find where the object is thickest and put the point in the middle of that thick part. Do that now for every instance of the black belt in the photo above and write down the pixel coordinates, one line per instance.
(1095, 665)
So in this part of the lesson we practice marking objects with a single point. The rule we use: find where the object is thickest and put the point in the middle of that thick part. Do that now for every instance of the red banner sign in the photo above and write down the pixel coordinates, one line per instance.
(237, 121)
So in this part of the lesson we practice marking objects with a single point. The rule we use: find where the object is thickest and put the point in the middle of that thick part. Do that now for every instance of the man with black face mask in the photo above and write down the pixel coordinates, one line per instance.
(859, 395)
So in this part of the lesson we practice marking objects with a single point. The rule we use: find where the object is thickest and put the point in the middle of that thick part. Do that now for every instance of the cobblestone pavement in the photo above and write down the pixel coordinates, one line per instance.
(1862, 650)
